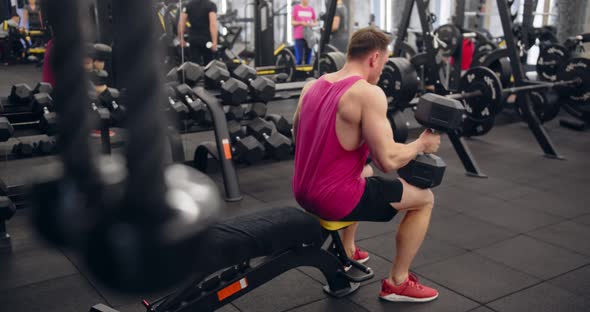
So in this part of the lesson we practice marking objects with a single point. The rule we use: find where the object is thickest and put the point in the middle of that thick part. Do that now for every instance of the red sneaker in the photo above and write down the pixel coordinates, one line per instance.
(360, 256)
(409, 291)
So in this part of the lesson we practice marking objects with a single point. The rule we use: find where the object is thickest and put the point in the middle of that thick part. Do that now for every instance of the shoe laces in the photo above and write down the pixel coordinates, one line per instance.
(413, 281)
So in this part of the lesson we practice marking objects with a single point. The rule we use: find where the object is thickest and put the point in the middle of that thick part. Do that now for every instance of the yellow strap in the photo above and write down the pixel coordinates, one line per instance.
(279, 49)
(162, 21)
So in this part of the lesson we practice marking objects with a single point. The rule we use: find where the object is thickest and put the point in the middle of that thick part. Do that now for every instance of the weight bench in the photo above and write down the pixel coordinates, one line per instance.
(286, 238)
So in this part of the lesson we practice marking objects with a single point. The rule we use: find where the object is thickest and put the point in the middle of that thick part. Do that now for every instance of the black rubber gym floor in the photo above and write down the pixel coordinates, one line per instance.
(516, 241)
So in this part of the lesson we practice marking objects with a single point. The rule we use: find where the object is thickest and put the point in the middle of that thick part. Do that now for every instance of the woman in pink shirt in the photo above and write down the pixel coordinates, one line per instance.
(303, 16)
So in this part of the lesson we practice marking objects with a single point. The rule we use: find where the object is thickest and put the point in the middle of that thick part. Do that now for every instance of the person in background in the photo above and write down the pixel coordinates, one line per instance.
(32, 18)
(203, 34)
(303, 16)
(340, 32)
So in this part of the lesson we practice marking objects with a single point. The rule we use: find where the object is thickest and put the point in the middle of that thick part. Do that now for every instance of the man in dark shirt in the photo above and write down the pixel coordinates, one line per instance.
(202, 35)
(340, 32)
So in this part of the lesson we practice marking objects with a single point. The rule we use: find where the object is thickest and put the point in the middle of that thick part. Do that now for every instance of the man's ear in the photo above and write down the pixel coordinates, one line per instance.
(374, 59)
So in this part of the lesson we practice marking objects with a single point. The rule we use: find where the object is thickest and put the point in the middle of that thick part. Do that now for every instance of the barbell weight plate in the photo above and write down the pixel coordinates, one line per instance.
(331, 62)
(550, 59)
(545, 105)
(575, 68)
(450, 35)
(407, 51)
(485, 47)
(490, 102)
(399, 126)
(475, 128)
(285, 63)
(399, 81)
(499, 63)
(479, 58)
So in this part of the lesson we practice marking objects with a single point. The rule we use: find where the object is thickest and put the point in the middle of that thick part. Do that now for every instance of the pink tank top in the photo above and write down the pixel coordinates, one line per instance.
(327, 178)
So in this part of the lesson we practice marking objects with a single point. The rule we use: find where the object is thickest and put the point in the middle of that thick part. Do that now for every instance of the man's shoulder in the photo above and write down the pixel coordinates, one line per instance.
(364, 92)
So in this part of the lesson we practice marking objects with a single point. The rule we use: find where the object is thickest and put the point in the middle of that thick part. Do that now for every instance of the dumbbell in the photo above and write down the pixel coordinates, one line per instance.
(198, 110)
(22, 150)
(48, 122)
(44, 147)
(437, 113)
(108, 97)
(102, 53)
(43, 87)
(256, 109)
(6, 129)
(277, 145)
(261, 88)
(177, 110)
(7, 210)
(233, 91)
(235, 113)
(281, 123)
(40, 101)
(21, 94)
(189, 73)
(245, 147)
(257, 127)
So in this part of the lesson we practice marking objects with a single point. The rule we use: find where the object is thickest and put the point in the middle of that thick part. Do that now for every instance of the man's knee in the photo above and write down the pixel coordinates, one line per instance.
(367, 171)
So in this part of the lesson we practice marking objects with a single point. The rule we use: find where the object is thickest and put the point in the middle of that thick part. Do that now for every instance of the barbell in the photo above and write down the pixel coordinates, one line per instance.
(481, 90)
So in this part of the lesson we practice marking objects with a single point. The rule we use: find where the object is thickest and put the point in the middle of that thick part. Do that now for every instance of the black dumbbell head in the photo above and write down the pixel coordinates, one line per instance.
(6, 129)
(256, 110)
(41, 100)
(234, 92)
(21, 93)
(102, 52)
(7, 208)
(183, 90)
(439, 112)
(245, 73)
(191, 72)
(235, 130)
(215, 74)
(99, 77)
(48, 123)
(22, 150)
(262, 89)
(235, 113)
(44, 147)
(109, 98)
(278, 146)
(258, 127)
(425, 171)
(172, 75)
(281, 124)
(249, 150)
(43, 87)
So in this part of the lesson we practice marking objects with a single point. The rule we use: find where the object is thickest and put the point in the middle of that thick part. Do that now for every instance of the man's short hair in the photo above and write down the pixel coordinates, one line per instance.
(366, 40)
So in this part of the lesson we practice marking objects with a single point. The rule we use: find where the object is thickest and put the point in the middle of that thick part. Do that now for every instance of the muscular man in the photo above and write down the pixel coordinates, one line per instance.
(340, 27)
(340, 118)
(202, 16)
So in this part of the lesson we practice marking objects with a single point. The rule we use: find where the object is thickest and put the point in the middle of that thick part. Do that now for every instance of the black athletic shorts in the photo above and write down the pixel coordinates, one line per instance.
(375, 203)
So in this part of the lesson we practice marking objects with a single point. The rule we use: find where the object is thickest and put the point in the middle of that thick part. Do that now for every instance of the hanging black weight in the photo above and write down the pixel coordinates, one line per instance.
(331, 62)
(575, 69)
(498, 62)
(449, 37)
(399, 125)
(399, 81)
(551, 56)
(545, 105)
